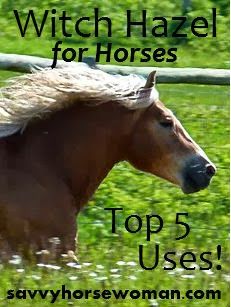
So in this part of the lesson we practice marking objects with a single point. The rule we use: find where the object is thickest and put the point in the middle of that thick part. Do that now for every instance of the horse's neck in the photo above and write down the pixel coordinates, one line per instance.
(95, 144)
(84, 144)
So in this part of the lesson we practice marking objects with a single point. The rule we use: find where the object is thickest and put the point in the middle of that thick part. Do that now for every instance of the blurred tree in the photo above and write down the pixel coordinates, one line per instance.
(186, 6)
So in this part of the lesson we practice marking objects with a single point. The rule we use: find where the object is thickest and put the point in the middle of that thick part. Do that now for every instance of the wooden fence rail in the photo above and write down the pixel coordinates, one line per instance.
(25, 64)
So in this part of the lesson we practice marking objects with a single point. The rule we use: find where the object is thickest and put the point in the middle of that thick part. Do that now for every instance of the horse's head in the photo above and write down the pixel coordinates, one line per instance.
(160, 145)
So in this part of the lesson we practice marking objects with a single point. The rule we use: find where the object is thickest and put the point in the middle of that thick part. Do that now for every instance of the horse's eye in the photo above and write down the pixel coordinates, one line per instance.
(167, 124)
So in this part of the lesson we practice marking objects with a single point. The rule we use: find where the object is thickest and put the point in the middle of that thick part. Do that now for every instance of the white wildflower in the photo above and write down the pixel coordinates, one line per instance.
(20, 270)
(99, 266)
(16, 260)
(41, 265)
(74, 265)
(188, 276)
(93, 274)
(132, 277)
(53, 267)
(226, 277)
(102, 278)
(35, 277)
(114, 270)
(153, 303)
(121, 263)
(208, 272)
(131, 263)
(73, 278)
(43, 252)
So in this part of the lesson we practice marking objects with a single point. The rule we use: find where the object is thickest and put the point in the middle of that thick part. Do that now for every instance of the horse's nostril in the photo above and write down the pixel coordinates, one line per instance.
(210, 170)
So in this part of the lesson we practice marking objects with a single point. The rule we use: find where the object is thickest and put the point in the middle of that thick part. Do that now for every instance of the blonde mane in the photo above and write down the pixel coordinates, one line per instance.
(44, 91)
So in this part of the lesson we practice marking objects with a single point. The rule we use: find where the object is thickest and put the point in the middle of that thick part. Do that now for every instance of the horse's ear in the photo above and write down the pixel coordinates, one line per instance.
(146, 95)
(151, 80)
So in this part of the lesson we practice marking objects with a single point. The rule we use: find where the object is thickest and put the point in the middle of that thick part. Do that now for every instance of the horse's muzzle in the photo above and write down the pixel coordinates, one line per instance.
(197, 174)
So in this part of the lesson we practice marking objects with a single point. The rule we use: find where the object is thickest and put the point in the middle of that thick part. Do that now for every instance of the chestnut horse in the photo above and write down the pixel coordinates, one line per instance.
(63, 130)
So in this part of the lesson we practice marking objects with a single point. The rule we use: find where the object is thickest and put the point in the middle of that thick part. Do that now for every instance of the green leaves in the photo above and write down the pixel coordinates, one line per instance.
(204, 51)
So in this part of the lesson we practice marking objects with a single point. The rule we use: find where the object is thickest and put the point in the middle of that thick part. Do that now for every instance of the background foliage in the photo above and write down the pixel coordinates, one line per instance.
(106, 258)
(193, 51)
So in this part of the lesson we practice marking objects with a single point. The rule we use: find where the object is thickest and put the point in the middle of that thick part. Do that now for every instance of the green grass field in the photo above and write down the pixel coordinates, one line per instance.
(110, 261)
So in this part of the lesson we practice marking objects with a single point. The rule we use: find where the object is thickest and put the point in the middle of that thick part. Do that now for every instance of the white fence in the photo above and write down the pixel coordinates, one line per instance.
(25, 64)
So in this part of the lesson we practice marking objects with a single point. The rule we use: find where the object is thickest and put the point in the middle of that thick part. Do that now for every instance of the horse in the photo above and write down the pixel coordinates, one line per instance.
(63, 130)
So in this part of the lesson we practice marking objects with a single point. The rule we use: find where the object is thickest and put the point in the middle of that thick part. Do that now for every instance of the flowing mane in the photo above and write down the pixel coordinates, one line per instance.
(48, 90)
